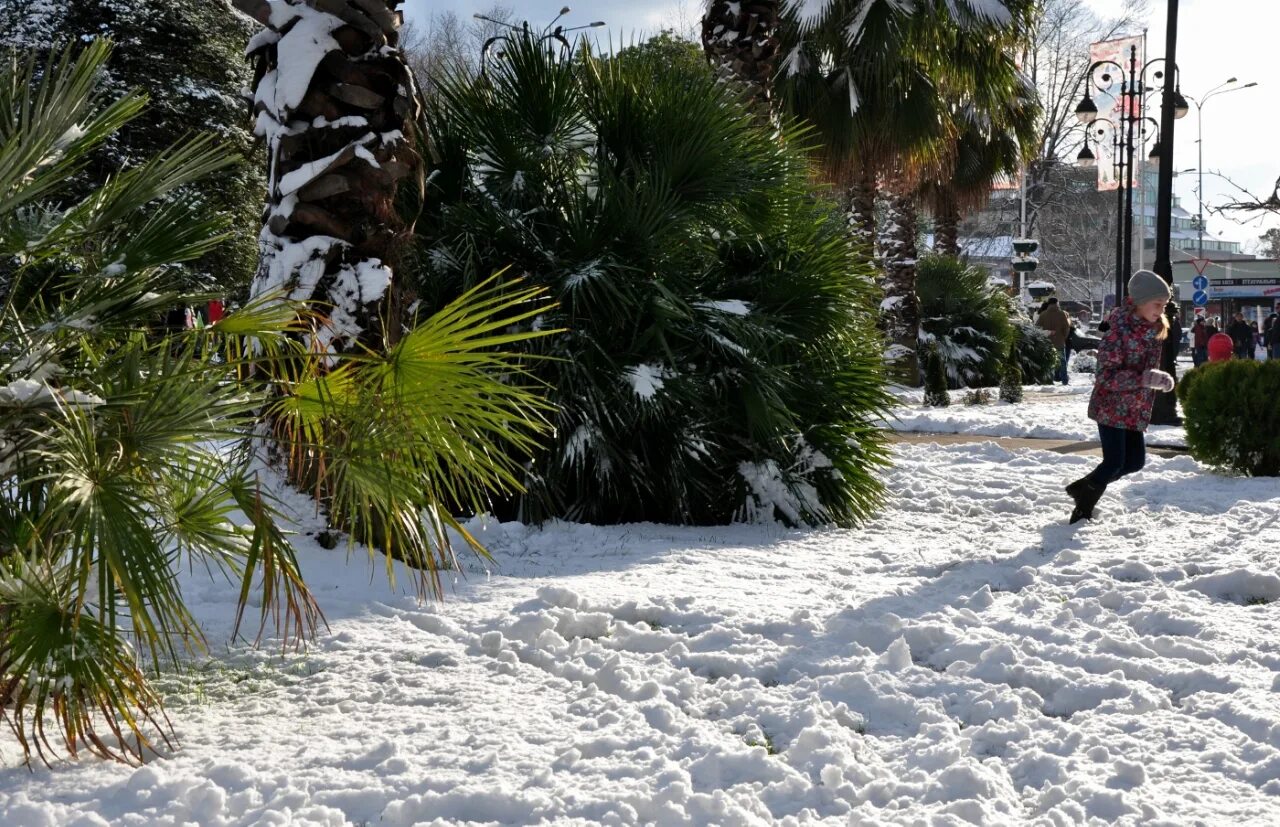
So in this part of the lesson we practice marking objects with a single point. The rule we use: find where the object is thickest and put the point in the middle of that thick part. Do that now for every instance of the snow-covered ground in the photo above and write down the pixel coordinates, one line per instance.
(966, 658)
(1048, 412)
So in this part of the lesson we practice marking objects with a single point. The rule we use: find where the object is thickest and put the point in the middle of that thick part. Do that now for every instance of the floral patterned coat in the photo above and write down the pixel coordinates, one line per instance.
(1128, 350)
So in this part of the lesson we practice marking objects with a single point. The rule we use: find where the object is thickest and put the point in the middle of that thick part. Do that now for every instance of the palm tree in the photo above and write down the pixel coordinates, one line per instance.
(393, 425)
(740, 37)
(890, 88)
(114, 436)
(992, 144)
(337, 106)
(722, 358)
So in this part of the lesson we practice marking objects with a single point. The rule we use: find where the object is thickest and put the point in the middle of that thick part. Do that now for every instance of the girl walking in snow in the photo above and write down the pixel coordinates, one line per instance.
(1124, 390)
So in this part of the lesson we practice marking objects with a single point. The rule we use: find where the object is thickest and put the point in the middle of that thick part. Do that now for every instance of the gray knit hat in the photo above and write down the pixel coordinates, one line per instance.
(1144, 286)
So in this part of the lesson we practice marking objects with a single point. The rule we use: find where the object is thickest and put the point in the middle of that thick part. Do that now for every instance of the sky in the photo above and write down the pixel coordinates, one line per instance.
(1217, 39)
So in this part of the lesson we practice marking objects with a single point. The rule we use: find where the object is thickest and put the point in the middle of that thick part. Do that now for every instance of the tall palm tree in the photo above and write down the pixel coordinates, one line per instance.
(337, 106)
(994, 141)
(891, 88)
(741, 39)
(393, 428)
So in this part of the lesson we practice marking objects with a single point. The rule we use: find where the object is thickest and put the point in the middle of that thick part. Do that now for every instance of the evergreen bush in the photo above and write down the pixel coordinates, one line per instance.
(1011, 371)
(1037, 357)
(722, 359)
(1231, 411)
(187, 57)
(965, 317)
(978, 396)
(935, 380)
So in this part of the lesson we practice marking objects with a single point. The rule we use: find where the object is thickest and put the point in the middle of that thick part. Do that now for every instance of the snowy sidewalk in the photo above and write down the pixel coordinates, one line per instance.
(1058, 446)
(1058, 412)
(967, 657)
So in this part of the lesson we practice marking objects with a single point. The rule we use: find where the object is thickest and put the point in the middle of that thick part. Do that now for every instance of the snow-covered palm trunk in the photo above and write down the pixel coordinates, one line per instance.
(900, 310)
(741, 39)
(946, 224)
(861, 212)
(336, 105)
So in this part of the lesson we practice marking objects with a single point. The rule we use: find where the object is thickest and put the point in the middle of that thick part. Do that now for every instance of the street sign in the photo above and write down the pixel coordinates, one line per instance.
(1200, 264)
(1200, 283)
(1200, 298)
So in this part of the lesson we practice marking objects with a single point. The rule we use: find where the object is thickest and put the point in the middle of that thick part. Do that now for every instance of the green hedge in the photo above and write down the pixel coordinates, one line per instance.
(1232, 414)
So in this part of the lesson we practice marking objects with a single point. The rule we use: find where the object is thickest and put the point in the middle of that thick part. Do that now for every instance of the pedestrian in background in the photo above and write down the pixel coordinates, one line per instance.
(1241, 337)
(1272, 339)
(1199, 342)
(1124, 389)
(1057, 324)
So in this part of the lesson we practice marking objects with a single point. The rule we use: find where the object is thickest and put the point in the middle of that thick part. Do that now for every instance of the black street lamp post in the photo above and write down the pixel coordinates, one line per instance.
(1166, 406)
(1129, 131)
(551, 32)
(1086, 158)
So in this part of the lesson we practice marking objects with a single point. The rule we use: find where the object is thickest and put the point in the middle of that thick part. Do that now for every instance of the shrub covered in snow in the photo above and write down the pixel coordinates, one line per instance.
(1232, 415)
(965, 317)
(935, 379)
(1037, 356)
(1085, 362)
(721, 358)
(978, 396)
(1011, 369)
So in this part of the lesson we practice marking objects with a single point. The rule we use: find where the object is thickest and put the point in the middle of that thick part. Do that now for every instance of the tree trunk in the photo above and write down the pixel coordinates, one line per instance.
(862, 209)
(741, 39)
(337, 107)
(900, 310)
(946, 227)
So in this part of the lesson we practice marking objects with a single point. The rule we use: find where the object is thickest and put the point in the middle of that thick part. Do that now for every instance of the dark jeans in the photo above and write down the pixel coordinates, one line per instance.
(1123, 452)
(1064, 356)
(1199, 356)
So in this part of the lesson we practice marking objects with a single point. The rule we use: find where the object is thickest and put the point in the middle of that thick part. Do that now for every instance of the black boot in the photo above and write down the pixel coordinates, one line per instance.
(1086, 494)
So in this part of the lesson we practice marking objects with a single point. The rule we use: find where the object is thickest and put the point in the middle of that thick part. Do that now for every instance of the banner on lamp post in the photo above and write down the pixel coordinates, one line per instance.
(1107, 99)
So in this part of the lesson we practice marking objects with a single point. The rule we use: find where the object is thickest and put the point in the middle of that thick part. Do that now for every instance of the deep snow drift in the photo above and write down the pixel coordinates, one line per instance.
(967, 657)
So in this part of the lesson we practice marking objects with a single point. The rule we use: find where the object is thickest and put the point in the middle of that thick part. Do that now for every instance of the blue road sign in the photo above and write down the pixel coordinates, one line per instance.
(1200, 283)
(1200, 298)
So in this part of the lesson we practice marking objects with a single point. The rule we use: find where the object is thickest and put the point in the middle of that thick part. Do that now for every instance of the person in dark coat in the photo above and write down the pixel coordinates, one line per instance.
(1241, 337)
(1199, 342)
(1124, 389)
(1057, 324)
(1272, 339)
(1173, 341)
